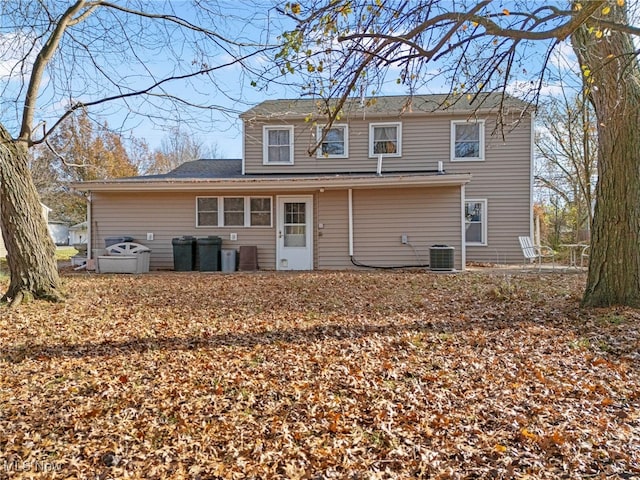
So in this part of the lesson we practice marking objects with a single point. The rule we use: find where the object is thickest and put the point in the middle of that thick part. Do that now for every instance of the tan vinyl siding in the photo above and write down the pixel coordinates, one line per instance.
(427, 215)
(332, 239)
(170, 215)
(426, 140)
(504, 180)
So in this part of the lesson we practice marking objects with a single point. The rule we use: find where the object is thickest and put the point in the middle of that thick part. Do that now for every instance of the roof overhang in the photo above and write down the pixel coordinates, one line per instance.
(292, 184)
(294, 116)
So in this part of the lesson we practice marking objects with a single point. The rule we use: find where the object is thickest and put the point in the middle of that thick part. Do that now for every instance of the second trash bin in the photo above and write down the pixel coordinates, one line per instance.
(209, 253)
(228, 259)
(184, 253)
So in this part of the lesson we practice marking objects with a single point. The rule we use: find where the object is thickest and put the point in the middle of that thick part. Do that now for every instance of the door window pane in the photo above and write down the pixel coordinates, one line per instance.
(295, 213)
(295, 227)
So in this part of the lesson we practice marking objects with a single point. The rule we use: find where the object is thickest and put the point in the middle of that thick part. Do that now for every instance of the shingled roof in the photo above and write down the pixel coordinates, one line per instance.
(206, 168)
(390, 105)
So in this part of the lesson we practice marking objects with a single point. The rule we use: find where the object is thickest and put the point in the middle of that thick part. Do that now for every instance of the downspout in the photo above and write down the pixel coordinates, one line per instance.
(350, 203)
(531, 174)
(89, 229)
(243, 146)
(463, 223)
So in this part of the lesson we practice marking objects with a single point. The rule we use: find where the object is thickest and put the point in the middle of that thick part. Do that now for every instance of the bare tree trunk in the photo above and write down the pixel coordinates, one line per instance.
(31, 252)
(613, 79)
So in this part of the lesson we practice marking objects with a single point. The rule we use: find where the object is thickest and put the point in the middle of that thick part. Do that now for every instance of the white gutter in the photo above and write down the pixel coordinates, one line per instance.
(350, 222)
(335, 182)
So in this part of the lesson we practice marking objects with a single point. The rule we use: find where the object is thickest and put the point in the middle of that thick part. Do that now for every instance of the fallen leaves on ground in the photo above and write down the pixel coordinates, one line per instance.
(318, 376)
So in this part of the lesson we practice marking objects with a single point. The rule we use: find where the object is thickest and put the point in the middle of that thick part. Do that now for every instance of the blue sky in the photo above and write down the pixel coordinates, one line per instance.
(75, 77)
(225, 133)
(228, 88)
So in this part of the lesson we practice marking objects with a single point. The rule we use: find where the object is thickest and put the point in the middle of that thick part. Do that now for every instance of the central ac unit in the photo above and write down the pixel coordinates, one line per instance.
(441, 258)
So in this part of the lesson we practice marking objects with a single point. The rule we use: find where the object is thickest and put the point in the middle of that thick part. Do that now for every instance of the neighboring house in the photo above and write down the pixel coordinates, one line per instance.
(78, 233)
(390, 180)
(59, 232)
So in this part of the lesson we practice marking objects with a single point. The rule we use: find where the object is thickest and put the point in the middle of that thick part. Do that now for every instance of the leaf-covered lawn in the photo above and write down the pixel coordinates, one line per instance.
(320, 375)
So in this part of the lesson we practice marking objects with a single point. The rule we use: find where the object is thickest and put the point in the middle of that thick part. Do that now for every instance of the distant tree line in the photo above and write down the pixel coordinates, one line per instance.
(84, 149)
(566, 168)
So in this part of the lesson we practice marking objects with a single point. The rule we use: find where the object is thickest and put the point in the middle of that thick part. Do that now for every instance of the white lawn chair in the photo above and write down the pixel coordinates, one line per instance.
(533, 253)
(584, 256)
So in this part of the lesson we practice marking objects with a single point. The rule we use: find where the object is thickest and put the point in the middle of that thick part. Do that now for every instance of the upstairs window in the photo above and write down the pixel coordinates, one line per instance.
(475, 213)
(335, 142)
(278, 145)
(385, 139)
(467, 140)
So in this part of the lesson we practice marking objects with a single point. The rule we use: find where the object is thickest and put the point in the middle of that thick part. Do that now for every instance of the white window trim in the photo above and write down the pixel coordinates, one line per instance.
(198, 212)
(385, 124)
(247, 212)
(265, 145)
(221, 211)
(480, 123)
(485, 221)
(345, 127)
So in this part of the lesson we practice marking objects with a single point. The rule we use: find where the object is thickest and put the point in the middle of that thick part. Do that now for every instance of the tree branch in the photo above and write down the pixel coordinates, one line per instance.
(145, 91)
(492, 28)
(560, 33)
(173, 19)
(457, 23)
(43, 58)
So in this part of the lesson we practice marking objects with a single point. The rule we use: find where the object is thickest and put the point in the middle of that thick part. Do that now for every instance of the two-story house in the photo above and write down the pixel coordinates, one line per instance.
(389, 180)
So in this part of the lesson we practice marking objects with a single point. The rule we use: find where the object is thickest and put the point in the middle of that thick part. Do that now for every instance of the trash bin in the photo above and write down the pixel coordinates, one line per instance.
(209, 253)
(108, 241)
(228, 259)
(184, 252)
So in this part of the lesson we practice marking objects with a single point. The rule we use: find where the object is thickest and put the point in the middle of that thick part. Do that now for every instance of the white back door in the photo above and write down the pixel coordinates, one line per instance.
(294, 249)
